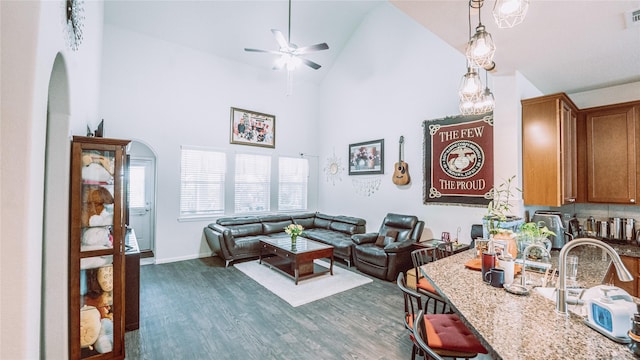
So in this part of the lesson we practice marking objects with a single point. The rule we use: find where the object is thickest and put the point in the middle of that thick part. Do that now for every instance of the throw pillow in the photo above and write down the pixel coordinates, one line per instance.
(384, 240)
(380, 241)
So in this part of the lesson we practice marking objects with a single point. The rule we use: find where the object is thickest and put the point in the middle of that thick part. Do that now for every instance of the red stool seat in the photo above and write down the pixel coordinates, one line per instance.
(424, 284)
(446, 332)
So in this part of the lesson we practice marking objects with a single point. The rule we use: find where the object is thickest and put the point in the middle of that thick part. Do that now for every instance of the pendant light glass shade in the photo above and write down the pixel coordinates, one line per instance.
(466, 107)
(470, 86)
(485, 104)
(481, 48)
(509, 13)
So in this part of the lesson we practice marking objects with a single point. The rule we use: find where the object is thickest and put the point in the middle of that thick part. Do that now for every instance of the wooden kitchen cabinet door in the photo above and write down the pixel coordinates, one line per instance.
(612, 153)
(549, 160)
(632, 264)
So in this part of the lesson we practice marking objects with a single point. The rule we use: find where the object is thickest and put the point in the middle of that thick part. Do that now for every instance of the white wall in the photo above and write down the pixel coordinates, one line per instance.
(610, 95)
(168, 95)
(393, 75)
(32, 36)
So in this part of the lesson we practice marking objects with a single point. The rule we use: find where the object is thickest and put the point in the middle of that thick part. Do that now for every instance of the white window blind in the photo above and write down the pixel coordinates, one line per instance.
(292, 183)
(252, 183)
(136, 186)
(202, 179)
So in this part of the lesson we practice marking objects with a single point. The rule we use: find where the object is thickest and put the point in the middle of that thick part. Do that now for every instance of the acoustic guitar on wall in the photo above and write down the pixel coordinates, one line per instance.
(401, 169)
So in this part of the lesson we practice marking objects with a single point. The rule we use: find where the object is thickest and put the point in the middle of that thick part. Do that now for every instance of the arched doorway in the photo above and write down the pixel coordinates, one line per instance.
(54, 334)
(142, 197)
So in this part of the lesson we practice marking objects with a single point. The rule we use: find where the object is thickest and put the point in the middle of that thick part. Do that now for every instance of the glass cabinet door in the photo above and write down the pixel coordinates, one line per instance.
(96, 270)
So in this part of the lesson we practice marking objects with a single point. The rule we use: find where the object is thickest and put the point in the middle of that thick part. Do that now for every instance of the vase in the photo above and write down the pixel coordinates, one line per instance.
(293, 240)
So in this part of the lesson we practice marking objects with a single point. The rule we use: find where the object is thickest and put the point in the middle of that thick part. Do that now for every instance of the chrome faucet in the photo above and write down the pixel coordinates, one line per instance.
(524, 260)
(561, 299)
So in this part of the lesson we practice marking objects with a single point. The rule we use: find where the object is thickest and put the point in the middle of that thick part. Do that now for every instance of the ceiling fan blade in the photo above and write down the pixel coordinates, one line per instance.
(311, 64)
(311, 48)
(262, 51)
(280, 39)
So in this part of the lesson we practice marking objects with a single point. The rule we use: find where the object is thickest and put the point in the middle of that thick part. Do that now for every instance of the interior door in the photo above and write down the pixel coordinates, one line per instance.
(141, 202)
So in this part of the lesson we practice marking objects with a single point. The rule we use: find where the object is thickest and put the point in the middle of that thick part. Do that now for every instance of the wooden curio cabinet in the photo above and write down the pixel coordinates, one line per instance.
(613, 153)
(96, 246)
(549, 150)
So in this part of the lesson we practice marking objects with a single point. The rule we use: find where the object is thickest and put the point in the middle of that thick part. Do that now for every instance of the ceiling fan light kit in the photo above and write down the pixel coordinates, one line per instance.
(291, 54)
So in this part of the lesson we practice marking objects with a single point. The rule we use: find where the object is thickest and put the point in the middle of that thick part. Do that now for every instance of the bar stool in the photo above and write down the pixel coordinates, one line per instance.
(445, 334)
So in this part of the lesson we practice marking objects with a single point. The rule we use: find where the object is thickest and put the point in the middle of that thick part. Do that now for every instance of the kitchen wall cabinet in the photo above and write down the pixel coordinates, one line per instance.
(96, 249)
(613, 153)
(549, 160)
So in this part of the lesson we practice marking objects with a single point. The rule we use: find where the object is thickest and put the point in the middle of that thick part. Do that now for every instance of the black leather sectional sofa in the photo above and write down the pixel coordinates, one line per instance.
(238, 237)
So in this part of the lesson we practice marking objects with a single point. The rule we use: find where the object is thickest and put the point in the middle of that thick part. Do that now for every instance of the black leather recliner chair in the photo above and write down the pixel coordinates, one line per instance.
(388, 252)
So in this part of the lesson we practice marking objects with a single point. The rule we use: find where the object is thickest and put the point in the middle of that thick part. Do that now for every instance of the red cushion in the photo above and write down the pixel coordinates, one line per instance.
(447, 332)
(426, 285)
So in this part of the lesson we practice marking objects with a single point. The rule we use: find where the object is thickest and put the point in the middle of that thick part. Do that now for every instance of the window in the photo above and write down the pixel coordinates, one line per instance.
(137, 186)
(253, 183)
(202, 177)
(292, 186)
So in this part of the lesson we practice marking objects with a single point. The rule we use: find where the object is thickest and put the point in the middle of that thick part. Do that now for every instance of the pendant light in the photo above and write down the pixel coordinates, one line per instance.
(470, 91)
(471, 85)
(480, 48)
(509, 13)
(486, 102)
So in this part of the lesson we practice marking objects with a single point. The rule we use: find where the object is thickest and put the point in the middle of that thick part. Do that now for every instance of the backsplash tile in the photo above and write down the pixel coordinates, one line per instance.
(598, 211)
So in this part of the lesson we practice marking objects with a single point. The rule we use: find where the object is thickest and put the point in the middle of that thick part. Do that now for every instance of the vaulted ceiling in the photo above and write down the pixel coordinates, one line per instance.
(563, 45)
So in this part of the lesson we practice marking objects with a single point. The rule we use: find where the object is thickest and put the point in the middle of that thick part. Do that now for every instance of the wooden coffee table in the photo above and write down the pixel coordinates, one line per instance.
(297, 262)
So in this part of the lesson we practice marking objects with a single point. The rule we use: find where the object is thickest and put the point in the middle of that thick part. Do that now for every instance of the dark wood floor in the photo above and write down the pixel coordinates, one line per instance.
(198, 309)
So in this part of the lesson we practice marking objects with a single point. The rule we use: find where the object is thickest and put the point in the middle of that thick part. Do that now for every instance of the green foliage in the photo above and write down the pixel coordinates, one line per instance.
(533, 230)
(499, 208)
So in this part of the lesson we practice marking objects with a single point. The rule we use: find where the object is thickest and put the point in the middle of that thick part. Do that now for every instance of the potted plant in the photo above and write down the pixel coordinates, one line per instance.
(499, 222)
(499, 218)
(532, 232)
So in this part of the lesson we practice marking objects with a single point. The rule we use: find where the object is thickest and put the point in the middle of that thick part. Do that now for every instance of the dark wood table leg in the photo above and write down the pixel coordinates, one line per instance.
(331, 266)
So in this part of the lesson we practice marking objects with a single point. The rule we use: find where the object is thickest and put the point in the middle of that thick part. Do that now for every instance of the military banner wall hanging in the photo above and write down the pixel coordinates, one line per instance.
(458, 160)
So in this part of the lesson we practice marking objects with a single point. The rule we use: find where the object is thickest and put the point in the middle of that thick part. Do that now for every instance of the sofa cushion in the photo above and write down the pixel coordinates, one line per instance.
(306, 220)
(237, 220)
(245, 230)
(275, 226)
(274, 218)
(322, 221)
(350, 220)
(341, 242)
(343, 227)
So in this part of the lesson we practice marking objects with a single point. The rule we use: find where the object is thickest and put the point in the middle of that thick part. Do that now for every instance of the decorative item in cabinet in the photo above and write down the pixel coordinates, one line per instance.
(549, 151)
(96, 258)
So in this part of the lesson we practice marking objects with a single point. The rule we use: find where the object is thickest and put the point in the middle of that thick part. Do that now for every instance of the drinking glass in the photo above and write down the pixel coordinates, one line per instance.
(572, 267)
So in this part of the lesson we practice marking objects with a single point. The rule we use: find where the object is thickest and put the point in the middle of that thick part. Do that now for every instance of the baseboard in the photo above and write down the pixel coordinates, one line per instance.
(183, 258)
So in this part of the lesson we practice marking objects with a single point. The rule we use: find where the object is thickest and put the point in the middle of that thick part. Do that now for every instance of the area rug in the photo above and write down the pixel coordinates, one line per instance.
(306, 291)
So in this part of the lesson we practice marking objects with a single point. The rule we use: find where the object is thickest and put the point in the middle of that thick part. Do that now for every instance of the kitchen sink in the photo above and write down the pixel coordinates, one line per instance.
(574, 301)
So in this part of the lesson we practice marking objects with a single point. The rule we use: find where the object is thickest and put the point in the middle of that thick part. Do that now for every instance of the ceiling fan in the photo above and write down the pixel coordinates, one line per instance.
(290, 54)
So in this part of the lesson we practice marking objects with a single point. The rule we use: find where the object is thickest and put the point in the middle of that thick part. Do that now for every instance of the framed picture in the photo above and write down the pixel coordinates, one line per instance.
(252, 128)
(366, 158)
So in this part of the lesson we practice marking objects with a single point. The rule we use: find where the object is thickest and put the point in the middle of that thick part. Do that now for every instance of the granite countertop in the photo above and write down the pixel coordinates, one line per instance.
(627, 250)
(525, 327)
